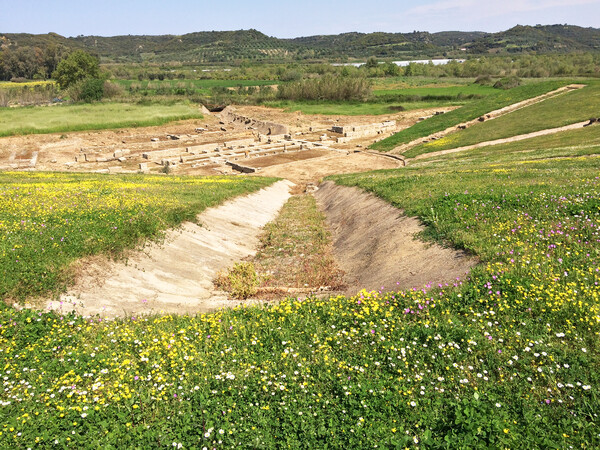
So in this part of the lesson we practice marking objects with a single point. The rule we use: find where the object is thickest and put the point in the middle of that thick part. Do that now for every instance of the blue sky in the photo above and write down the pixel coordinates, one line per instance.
(286, 19)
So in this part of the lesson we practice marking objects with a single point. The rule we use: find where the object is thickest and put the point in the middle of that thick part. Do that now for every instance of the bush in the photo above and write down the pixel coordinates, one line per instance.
(507, 83)
(327, 87)
(484, 80)
(112, 90)
(241, 281)
(88, 90)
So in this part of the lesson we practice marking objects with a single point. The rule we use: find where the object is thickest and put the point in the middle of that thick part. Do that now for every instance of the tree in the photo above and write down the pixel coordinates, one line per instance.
(78, 66)
(372, 63)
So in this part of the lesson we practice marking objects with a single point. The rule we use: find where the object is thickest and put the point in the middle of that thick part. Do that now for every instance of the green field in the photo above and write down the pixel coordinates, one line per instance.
(468, 112)
(441, 92)
(358, 108)
(506, 356)
(97, 116)
(186, 87)
(565, 109)
(48, 220)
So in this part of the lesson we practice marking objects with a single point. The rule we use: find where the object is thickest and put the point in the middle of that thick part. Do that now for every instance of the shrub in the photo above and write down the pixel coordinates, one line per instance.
(328, 87)
(484, 80)
(112, 90)
(88, 90)
(507, 83)
(241, 281)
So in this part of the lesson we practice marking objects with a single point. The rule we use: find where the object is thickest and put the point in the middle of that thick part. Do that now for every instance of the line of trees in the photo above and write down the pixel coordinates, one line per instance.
(31, 63)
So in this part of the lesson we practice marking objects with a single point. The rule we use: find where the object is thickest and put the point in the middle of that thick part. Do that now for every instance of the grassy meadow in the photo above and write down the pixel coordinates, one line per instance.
(504, 357)
(48, 220)
(186, 87)
(97, 116)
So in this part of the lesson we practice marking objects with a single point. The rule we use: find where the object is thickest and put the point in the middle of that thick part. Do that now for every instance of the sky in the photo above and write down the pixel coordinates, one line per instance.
(286, 19)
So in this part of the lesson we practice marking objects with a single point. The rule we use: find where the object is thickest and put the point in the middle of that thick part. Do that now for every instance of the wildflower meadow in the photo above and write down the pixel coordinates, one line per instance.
(505, 357)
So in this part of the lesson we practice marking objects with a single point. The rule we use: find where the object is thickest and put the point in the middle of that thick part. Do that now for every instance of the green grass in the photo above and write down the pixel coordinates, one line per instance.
(503, 358)
(565, 109)
(96, 116)
(443, 91)
(419, 81)
(387, 101)
(200, 87)
(48, 220)
(468, 112)
(574, 143)
(358, 108)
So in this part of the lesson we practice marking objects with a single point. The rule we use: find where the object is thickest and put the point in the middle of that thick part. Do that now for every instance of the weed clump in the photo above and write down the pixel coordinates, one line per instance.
(241, 281)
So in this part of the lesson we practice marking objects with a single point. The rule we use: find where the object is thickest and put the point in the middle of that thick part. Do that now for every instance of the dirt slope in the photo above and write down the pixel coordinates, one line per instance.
(177, 277)
(376, 246)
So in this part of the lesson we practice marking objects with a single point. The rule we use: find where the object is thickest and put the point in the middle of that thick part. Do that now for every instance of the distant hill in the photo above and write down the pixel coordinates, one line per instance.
(539, 39)
(252, 45)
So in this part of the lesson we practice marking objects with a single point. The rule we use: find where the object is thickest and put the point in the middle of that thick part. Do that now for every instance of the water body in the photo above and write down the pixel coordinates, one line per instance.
(436, 62)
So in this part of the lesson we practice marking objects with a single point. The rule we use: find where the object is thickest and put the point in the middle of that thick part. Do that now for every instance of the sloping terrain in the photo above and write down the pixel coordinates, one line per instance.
(177, 277)
(379, 248)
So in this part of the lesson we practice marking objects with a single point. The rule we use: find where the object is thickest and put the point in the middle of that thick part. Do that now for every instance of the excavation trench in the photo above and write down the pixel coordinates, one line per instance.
(177, 276)
(377, 247)
(374, 244)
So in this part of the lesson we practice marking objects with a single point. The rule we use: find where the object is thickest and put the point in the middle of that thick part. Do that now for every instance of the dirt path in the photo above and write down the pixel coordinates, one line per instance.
(375, 244)
(489, 116)
(177, 277)
(520, 137)
(313, 170)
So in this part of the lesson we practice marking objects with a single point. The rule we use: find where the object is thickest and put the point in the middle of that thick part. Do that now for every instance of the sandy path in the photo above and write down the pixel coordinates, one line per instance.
(176, 277)
(520, 137)
(490, 116)
(313, 170)
(375, 244)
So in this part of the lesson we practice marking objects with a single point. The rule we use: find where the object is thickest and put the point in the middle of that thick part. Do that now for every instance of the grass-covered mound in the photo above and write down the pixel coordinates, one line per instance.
(48, 220)
(565, 109)
(468, 112)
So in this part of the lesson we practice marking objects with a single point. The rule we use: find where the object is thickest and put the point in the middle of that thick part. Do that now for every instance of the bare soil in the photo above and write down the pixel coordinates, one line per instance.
(378, 247)
(315, 169)
(176, 277)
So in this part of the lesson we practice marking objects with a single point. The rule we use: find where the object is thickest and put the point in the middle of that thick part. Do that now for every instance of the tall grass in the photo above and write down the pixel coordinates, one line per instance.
(35, 93)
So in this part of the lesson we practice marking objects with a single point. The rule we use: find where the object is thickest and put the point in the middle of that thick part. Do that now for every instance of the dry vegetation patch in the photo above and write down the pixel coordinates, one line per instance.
(294, 257)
